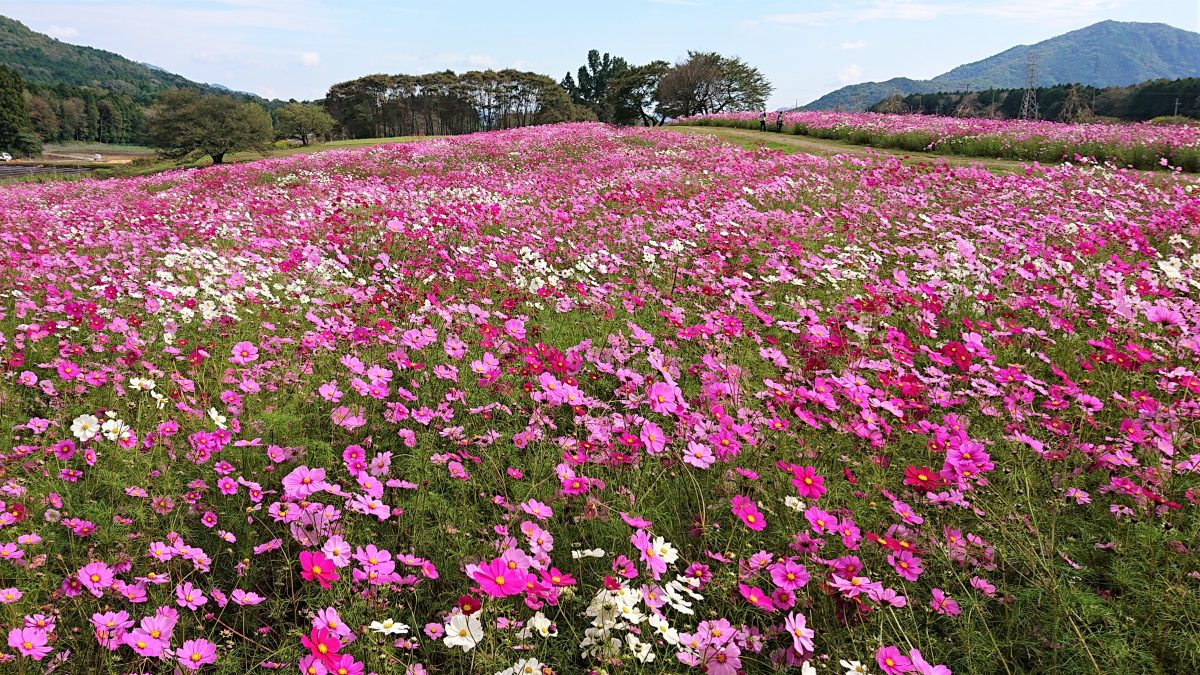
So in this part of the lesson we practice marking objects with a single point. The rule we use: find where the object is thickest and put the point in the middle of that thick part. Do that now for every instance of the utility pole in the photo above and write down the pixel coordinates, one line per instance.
(1029, 104)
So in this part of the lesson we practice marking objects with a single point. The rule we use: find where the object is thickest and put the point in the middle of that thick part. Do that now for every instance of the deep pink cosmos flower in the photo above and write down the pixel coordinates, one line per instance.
(314, 566)
(498, 580)
(323, 645)
(892, 662)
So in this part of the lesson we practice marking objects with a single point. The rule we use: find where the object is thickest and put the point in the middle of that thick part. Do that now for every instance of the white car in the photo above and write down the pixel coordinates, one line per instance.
(5, 157)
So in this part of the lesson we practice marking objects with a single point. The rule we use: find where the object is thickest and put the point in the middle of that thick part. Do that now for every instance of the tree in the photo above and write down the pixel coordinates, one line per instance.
(892, 104)
(707, 83)
(635, 95)
(303, 120)
(42, 118)
(184, 124)
(1074, 109)
(594, 87)
(14, 117)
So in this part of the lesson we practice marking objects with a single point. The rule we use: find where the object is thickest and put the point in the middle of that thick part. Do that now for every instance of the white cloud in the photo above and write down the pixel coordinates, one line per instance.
(62, 32)
(850, 74)
(310, 59)
(1028, 11)
(855, 44)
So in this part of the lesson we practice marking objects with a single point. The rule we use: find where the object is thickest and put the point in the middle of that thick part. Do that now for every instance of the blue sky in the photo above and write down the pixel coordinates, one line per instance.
(297, 48)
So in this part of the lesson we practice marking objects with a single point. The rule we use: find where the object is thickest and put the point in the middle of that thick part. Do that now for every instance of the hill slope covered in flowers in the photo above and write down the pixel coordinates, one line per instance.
(1141, 145)
(571, 397)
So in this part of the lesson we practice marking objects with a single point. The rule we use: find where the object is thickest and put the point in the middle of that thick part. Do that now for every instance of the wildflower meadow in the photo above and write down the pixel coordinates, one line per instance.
(579, 399)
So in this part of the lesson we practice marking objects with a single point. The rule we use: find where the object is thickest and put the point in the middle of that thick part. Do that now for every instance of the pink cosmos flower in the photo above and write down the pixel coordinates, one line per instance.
(244, 353)
(642, 542)
(95, 577)
(892, 662)
(747, 511)
(195, 654)
(756, 597)
(789, 575)
(809, 484)
(145, 644)
(31, 642)
(302, 482)
(906, 565)
(796, 625)
(944, 604)
(323, 645)
(698, 455)
(497, 579)
(187, 595)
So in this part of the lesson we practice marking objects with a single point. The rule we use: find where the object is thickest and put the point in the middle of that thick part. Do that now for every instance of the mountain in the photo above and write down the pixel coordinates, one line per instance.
(42, 59)
(1106, 54)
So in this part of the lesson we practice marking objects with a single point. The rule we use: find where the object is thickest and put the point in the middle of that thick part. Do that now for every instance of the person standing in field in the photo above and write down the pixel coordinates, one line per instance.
(762, 121)
(779, 122)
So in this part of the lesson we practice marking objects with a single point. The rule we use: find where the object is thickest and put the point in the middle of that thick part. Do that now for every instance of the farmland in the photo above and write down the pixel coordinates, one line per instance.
(575, 397)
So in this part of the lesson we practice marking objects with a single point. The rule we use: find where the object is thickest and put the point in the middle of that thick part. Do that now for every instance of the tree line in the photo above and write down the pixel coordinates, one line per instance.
(606, 88)
(1067, 102)
(445, 103)
(188, 123)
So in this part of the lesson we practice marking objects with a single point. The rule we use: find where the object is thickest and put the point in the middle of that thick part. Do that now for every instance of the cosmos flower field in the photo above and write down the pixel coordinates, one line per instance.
(576, 399)
(1140, 145)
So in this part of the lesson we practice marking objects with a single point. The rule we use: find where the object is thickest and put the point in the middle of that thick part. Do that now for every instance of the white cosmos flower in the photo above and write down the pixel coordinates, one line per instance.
(217, 418)
(793, 502)
(389, 627)
(85, 427)
(142, 383)
(463, 631)
(854, 667)
(530, 666)
(114, 429)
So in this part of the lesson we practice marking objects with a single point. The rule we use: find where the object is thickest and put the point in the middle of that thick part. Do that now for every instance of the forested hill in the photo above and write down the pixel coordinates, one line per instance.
(43, 60)
(1106, 54)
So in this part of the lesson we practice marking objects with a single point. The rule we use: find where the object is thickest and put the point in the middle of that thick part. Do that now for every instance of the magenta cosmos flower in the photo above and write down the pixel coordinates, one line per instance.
(314, 566)
(498, 581)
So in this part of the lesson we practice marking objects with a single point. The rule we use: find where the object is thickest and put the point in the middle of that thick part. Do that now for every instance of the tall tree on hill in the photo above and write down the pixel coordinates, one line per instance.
(184, 124)
(14, 116)
(43, 118)
(304, 120)
(707, 82)
(594, 86)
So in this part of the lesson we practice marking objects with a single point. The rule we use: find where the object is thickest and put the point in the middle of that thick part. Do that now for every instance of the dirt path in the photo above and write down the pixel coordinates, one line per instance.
(819, 146)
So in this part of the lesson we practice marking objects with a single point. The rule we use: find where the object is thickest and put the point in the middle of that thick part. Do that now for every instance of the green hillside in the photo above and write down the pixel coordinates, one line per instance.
(1106, 54)
(41, 59)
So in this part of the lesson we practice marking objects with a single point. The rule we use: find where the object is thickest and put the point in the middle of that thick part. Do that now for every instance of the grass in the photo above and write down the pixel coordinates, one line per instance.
(145, 162)
(790, 144)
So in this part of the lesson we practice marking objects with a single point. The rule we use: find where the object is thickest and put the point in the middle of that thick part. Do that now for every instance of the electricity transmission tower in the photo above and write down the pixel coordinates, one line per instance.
(1029, 104)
